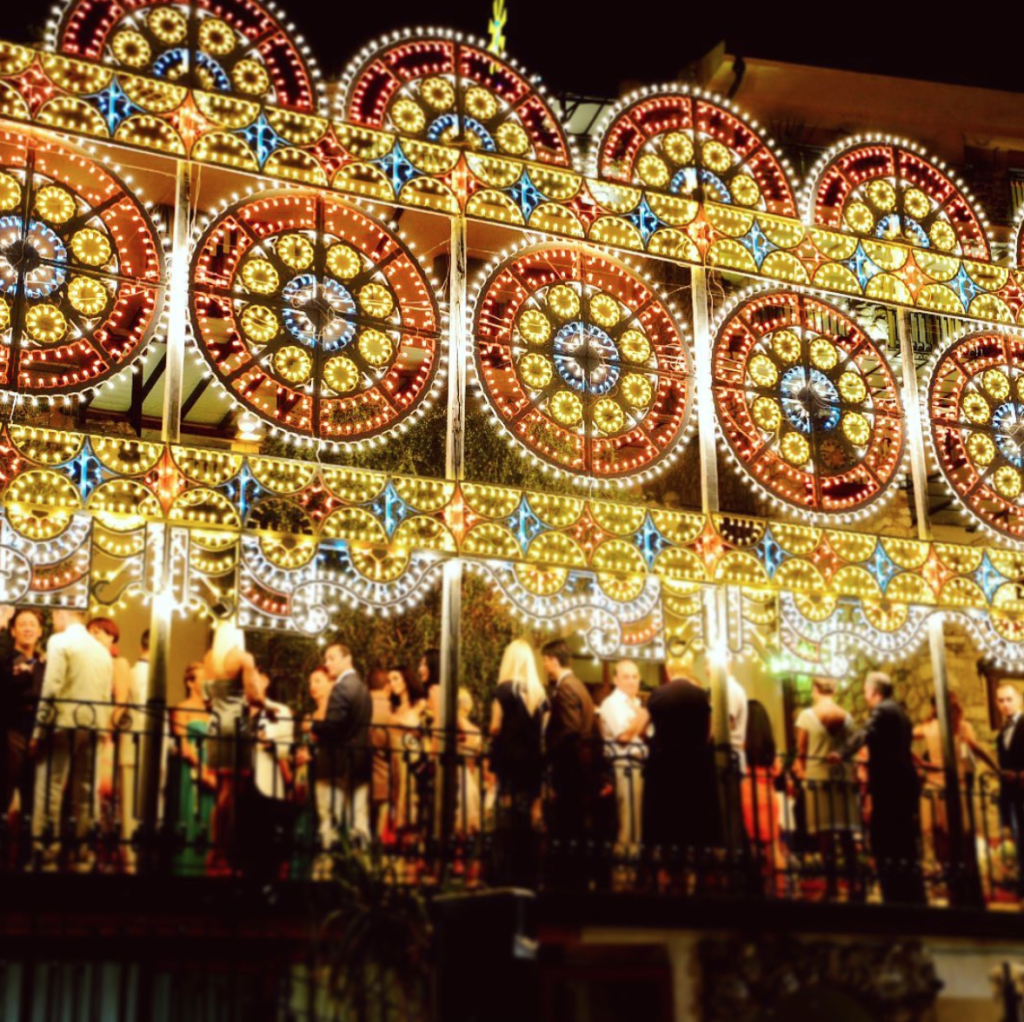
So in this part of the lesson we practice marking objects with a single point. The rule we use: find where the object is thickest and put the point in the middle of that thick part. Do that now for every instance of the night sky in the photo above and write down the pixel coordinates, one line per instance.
(592, 47)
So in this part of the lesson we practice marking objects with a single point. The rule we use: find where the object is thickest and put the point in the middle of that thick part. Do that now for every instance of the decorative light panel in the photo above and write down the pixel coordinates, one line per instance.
(80, 269)
(582, 362)
(976, 423)
(237, 47)
(807, 404)
(684, 142)
(890, 191)
(315, 316)
(440, 87)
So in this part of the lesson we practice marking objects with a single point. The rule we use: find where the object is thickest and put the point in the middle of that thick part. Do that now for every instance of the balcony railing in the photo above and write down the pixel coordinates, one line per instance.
(260, 799)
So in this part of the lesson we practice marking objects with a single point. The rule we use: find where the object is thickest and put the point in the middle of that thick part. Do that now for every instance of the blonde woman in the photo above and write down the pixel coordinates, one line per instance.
(230, 684)
(517, 723)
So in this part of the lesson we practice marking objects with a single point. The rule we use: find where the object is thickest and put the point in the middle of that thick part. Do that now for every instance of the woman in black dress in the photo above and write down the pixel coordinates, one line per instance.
(517, 723)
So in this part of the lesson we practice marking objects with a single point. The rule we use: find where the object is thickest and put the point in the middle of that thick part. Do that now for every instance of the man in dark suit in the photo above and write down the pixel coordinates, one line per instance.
(894, 788)
(680, 804)
(22, 669)
(569, 741)
(1010, 749)
(343, 795)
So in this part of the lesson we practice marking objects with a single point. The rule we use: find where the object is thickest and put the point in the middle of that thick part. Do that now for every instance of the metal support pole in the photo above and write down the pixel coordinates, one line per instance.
(702, 343)
(964, 889)
(451, 591)
(162, 605)
(716, 638)
(714, 609)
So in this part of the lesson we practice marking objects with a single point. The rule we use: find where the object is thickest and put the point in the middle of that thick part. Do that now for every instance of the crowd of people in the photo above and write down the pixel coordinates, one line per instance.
(557, 775)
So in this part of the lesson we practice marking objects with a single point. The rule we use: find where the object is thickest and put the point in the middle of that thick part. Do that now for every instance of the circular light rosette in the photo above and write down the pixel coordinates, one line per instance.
(807, 404)
(238, 47)
(81, 265)
(976, 423)
(890, 191)
(680, 141)
(315, 316)
(582, 362)
(439, 87)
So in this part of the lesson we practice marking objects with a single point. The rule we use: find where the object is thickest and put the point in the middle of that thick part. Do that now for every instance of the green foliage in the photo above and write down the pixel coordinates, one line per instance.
(375, 945)
(398, 640)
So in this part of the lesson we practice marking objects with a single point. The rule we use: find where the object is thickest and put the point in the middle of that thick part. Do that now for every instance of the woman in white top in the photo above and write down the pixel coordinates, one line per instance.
(831, 802)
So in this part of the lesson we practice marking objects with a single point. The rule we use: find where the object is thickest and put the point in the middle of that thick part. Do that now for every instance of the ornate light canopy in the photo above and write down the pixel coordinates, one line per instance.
(582, 362)
(315, 316)
(318, 317)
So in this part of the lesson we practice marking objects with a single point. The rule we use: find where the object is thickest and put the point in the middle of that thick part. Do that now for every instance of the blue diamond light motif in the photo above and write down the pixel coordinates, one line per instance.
(525, 194)
(756, 242)
(650, 541)
(644, 219)
(862, 266)
(397, 168)
(390, 510)
(882, 567)
(524, 524)
(989, 579)
(770, 553)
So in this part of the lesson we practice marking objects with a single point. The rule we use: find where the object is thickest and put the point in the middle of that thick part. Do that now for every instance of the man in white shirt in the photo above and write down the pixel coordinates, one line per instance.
(737, 697)
(73, 717)
(618, 718)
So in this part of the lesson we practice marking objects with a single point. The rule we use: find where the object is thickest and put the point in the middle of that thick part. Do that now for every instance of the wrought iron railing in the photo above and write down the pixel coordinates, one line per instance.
(261, 799)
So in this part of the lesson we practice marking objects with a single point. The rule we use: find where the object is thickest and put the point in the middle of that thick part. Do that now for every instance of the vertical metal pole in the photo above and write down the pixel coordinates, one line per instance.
(162, 605)
(714, 610)
(964, 889)
(451, 592)
(716, 638)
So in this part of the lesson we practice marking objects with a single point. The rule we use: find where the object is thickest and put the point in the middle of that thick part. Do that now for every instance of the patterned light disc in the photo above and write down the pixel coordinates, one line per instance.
(438, 88)
(315, 316)
(807, 403)
(889, 192)
(81, 265)
(236, 47)
(976, 421)
(582, 362)
(675, 141)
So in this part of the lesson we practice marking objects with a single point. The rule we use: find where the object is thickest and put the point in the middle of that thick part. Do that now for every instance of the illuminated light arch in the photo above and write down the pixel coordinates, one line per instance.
(81, 269)
(239, 47)
(582, 363)
(692, 143)
(440, 86)
(806, 403)
(885, 189)
(316, 317)
(975, 414)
